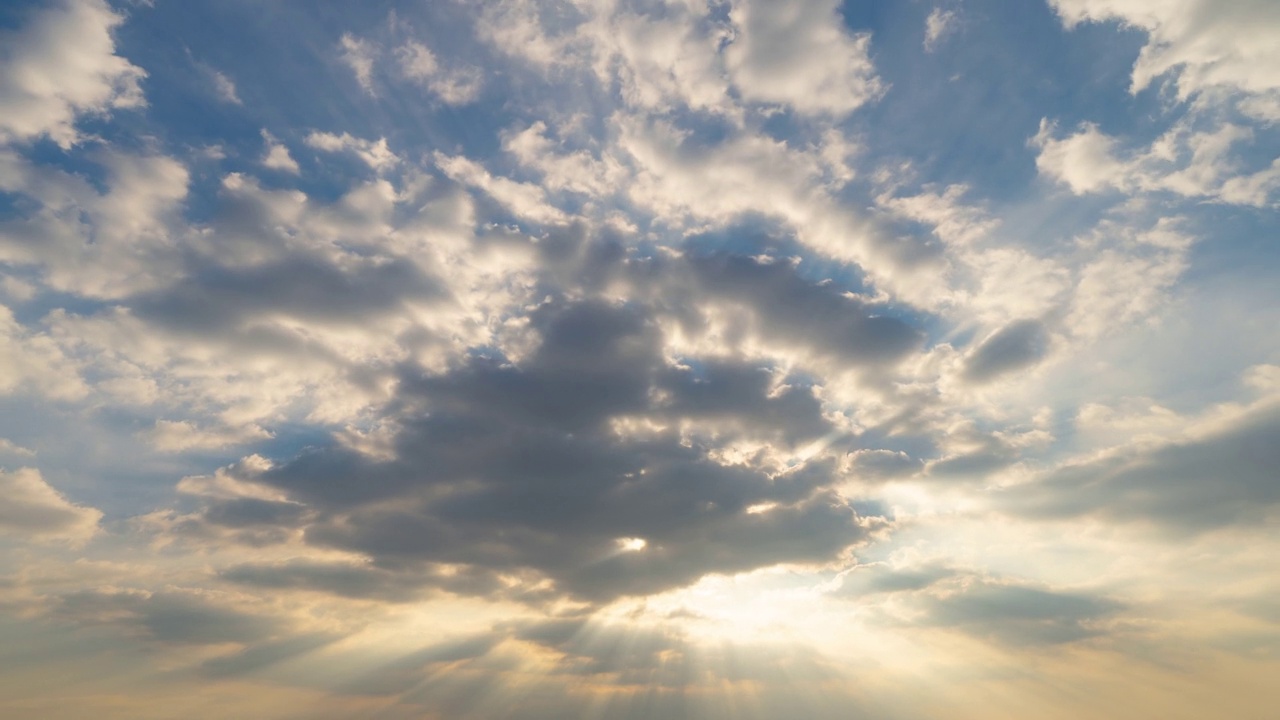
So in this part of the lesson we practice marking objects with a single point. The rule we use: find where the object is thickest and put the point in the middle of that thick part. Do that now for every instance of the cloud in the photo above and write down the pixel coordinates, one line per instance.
(171, 616)
(455, 86)
(89, 241)
(1020, 614)
(939, 24)
(1013, 347)
(375, 154)
(368, 582)
(277, 156)
(1186, 162)
(1219, 476)
(519, 468)
(358, 55)
(525, 200)
(9, 447)
(1203, 44)
(802, 55)
(225, 87)
(63, 64)
(33, 509)
(872, 579)
(175, 436)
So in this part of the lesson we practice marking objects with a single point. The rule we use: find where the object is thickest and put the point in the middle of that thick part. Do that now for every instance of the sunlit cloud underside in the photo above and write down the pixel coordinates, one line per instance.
(635, 359)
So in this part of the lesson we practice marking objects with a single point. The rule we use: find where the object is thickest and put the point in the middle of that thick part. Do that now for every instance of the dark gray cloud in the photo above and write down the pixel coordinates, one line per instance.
(363, 581)
(1020, 614)
(790, 309)
(878, 578)
(169, 616)
(307, 288)
(1227, 477)
(1017, 345)
(515, 468)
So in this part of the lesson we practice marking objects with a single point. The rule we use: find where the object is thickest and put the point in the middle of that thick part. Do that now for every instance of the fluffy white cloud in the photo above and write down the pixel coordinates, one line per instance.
(454, 85)
(939, 24)
(1203, 43)
(800, 54)
(1190, 163)
(61, 65)
(373, 153)
(225, 87)
(94, 243)
(358, 55)
(277, 156)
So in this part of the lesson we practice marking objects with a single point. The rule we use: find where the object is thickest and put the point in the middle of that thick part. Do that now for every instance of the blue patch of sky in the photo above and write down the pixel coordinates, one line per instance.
(964, 113)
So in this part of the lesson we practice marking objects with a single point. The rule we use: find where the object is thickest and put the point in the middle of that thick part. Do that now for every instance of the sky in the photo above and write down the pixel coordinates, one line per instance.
(629, 359)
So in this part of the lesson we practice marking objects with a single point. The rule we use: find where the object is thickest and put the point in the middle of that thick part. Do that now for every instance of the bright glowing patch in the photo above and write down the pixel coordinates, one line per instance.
(632, 544)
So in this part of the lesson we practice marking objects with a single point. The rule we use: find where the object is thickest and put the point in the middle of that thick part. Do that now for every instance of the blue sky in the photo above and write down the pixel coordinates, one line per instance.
(639, 359)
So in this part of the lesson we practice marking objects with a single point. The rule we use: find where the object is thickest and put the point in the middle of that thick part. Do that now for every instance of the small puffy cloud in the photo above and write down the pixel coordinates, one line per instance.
(358, 55)
(277, 156)
(225, 87)
(1085, 160)
(373, 153)
(938, 25)
(60, 65)
(33, 509)
(455, 86)
(800, 54)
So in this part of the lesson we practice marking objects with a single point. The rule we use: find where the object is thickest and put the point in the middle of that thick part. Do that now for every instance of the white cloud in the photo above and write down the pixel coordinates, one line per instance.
(33, 509)
(800, 54)
(34, 362)
(513, 27)
(277, 156)
(92, 243)
(176, 436)
(938, 25)
(1186, 162)
(225, 87)
(525, 200)
(1203, 43)
(375, 154)
(357, 54)
(60, 66)
(577, 171)
(455, 86)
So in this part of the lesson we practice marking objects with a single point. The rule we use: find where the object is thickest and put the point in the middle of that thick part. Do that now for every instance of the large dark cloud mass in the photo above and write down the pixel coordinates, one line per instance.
(522, 466)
